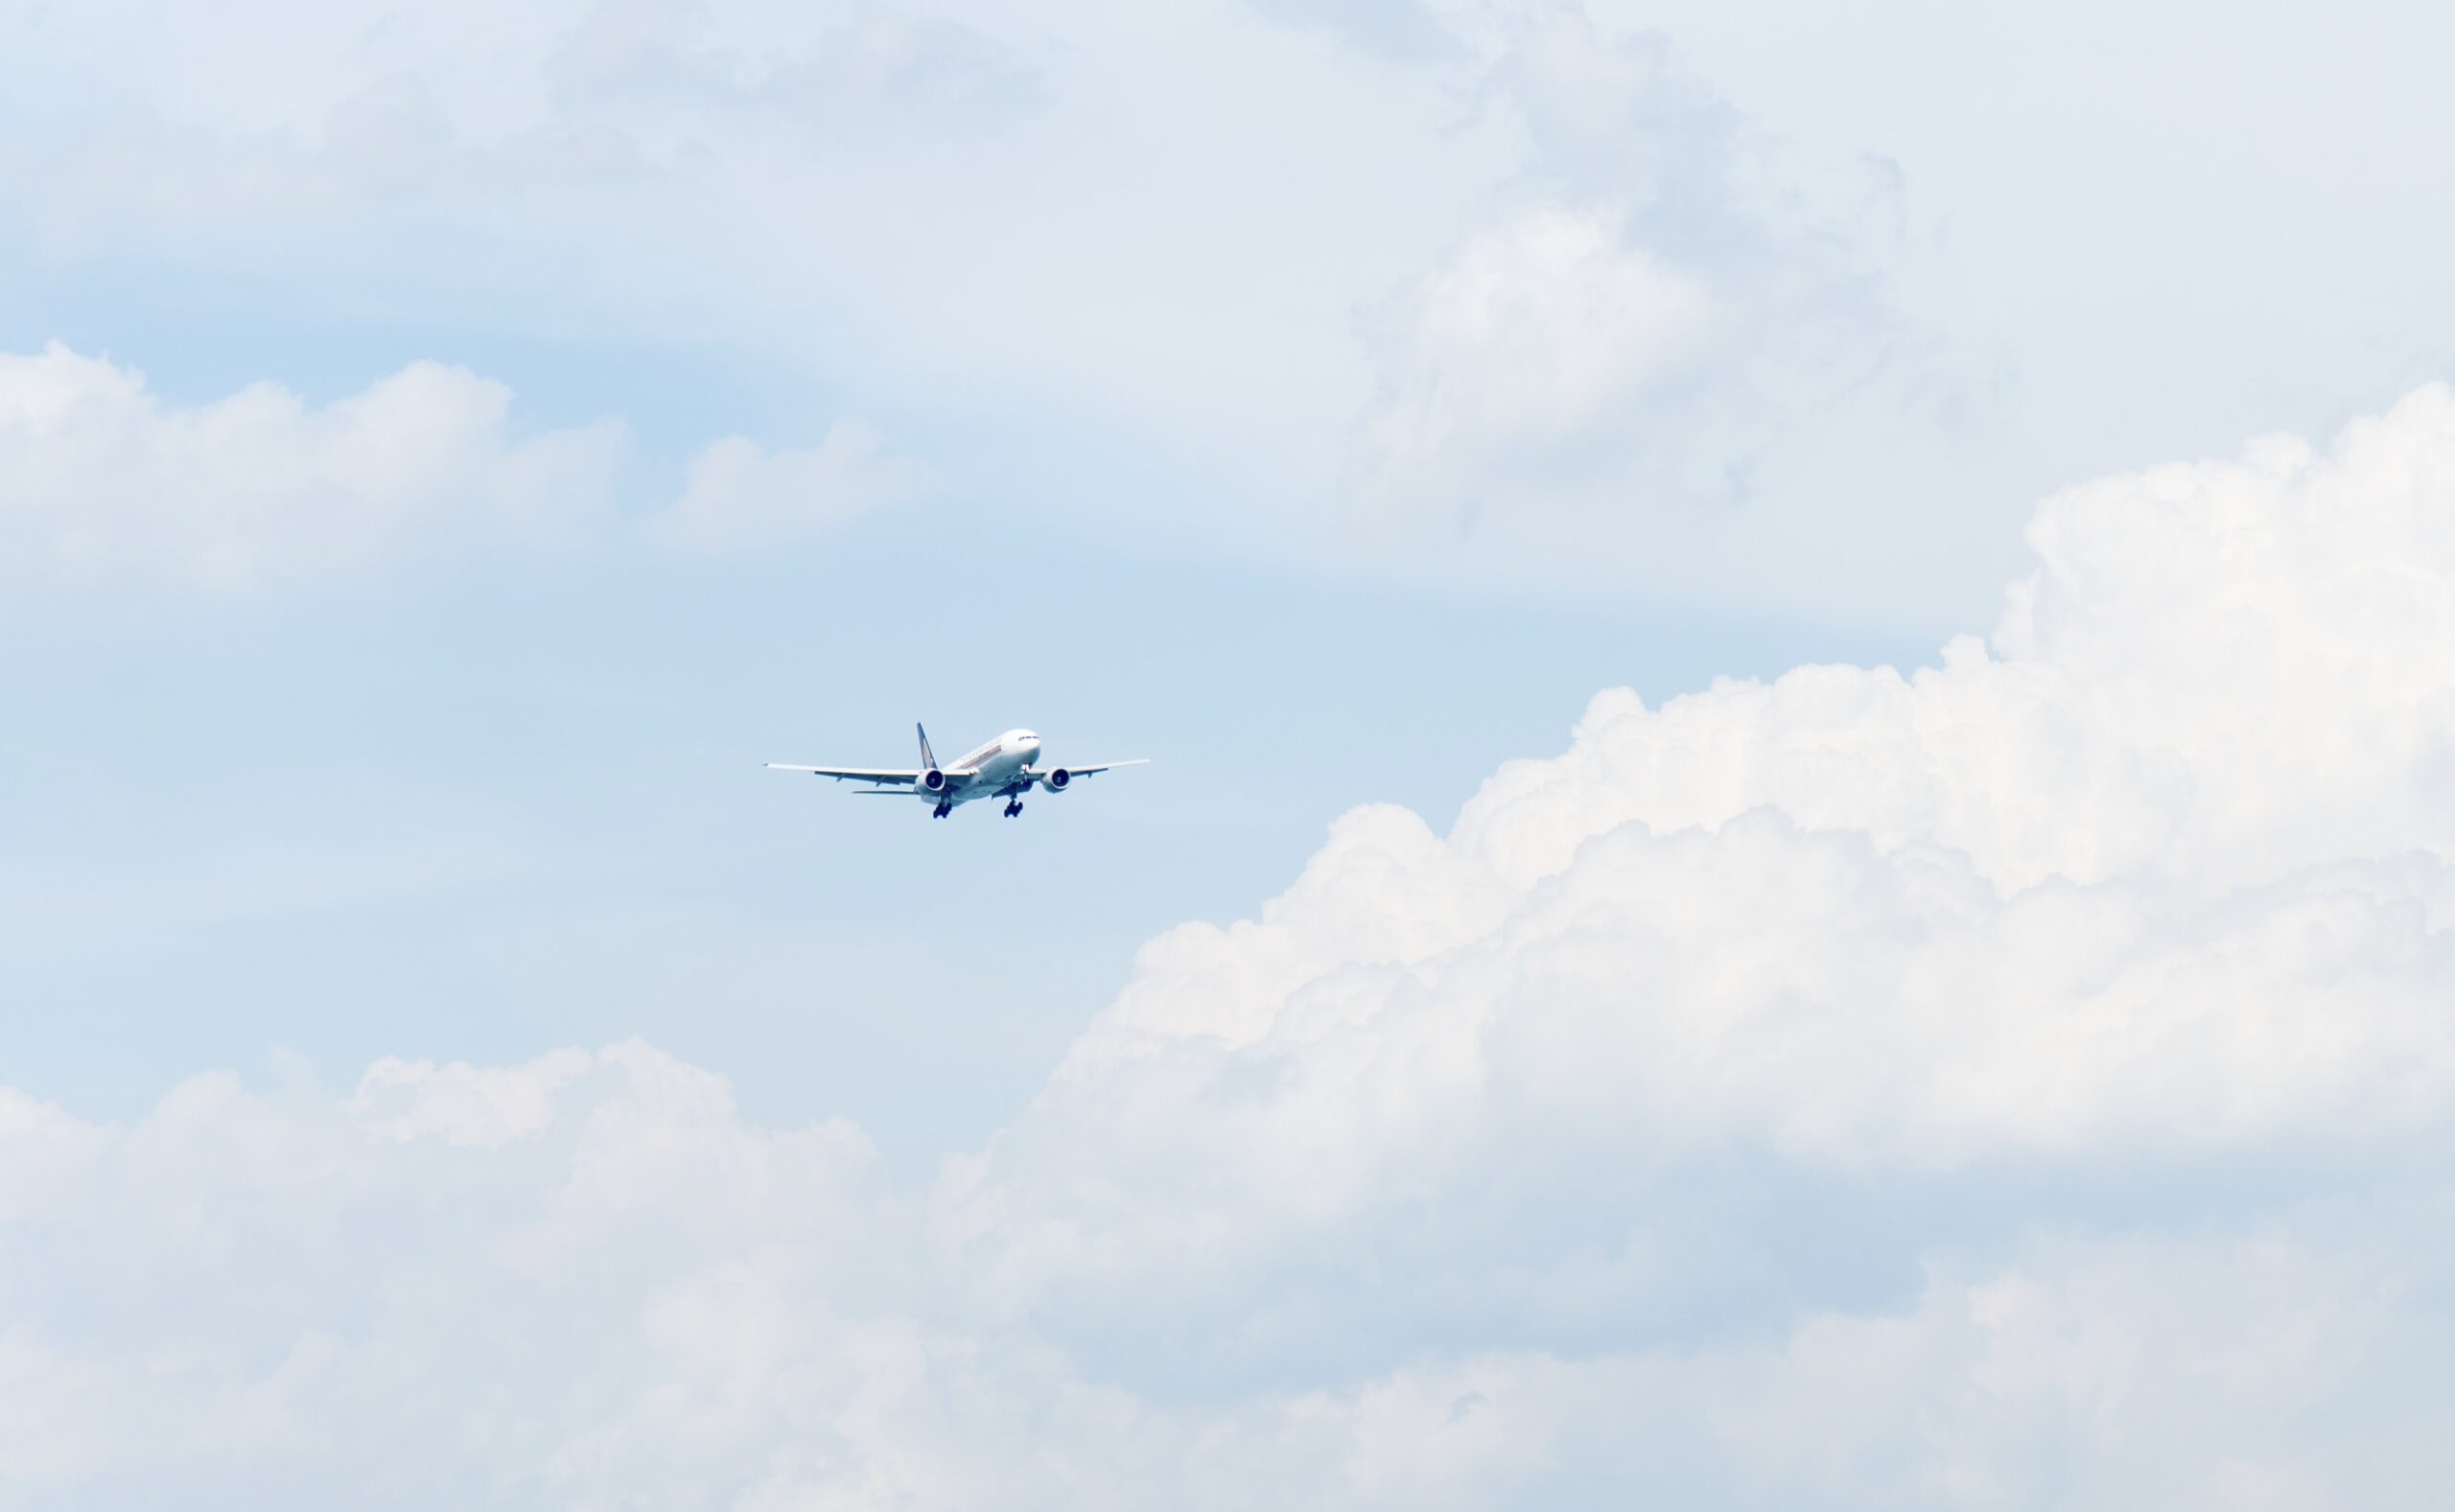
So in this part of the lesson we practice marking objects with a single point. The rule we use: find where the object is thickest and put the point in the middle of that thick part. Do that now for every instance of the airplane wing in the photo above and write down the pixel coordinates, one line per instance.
(1097, 767)
(852, 774)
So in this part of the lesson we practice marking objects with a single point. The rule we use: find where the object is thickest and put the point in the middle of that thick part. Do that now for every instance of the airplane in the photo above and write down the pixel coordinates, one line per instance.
(1000, 769)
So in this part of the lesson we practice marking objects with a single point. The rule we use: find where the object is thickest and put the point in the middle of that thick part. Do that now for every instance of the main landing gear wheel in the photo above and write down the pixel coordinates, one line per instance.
(942, 810)
(1013, 807)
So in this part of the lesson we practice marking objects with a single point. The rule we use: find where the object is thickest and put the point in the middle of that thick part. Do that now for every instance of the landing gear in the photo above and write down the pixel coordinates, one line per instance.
(1014, 807)
(942, 810)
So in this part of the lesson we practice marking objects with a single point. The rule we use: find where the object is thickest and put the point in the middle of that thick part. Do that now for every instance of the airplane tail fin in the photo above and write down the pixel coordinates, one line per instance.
(929, 758)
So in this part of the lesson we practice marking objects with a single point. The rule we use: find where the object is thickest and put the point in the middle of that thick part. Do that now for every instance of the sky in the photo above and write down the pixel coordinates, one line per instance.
(1796, 661)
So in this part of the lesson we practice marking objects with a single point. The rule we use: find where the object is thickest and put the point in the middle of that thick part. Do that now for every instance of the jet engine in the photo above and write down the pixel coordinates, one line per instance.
(933, 781)
(1055, 781)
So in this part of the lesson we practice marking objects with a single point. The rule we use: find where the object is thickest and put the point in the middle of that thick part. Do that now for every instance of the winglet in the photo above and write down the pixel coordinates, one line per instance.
(928, 759)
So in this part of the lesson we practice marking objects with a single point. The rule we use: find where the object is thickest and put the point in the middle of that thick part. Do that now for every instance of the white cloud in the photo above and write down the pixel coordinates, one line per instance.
(767, 1330)
(100, 479)
(740, 494)
(2025, 1082)
(2157, 882)
(103, 482)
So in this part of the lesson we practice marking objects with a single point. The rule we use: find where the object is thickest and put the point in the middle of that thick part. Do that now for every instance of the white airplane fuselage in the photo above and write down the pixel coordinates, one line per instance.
(999, 769)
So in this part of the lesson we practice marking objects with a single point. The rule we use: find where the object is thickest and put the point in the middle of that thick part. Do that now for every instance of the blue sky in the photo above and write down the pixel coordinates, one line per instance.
(486, 813)
(444, 453)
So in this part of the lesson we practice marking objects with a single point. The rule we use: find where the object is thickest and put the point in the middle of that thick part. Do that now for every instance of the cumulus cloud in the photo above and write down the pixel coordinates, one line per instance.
(101, 481)
(2026, 1082)
(2157, 876)
(101, 478)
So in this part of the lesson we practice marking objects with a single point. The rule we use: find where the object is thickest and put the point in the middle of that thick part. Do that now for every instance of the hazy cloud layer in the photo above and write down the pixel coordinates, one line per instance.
(740, 494)
(2024, 1083)
(1488, 289)
(1807, 287)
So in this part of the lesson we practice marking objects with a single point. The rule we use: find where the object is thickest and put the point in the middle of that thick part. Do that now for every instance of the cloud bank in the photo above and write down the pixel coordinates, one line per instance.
(2023, 1083)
